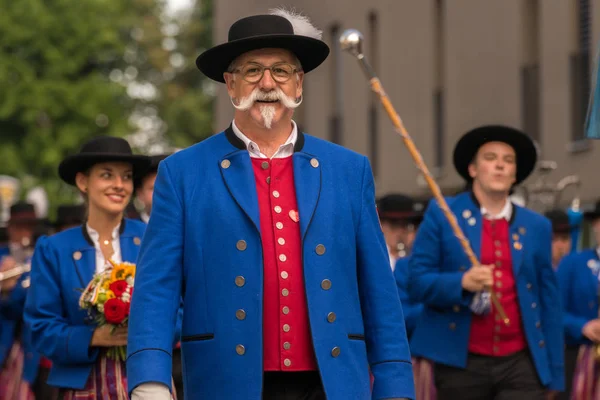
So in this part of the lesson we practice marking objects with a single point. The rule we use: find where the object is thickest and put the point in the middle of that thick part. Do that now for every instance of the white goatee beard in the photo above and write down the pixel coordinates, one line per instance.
(267, 113)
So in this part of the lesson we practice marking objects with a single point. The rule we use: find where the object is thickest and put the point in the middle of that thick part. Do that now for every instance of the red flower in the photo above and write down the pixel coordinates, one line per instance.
(118, 287)
(115, 311)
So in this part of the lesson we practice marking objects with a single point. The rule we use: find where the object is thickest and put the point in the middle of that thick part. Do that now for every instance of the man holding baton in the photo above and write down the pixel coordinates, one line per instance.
(483, 355)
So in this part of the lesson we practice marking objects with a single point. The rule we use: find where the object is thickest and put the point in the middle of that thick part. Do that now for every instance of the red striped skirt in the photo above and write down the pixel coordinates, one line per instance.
(107, 381)
(423, 375)
(586, 385)
(12, 385)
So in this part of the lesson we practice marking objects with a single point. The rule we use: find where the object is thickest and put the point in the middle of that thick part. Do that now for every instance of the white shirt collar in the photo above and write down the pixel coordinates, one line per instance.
(116, 245)
(144, 216)
(285, 150)
(506, 212)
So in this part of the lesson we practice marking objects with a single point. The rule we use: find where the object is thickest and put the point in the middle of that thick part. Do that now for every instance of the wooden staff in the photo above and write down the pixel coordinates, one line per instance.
(351, 41)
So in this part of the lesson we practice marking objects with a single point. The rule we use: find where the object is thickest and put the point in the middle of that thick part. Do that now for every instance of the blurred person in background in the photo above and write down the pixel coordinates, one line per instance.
(399, 215)
(413, 212)
(578, 277)
(145, 187)
(19, 360)
(561, 235)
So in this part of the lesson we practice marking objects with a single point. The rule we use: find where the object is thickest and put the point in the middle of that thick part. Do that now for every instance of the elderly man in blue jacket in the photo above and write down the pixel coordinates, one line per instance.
(477, 354)
(271, 236)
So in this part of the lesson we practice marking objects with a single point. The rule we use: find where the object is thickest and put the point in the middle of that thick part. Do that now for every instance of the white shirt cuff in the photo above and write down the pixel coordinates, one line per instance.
(151, 391)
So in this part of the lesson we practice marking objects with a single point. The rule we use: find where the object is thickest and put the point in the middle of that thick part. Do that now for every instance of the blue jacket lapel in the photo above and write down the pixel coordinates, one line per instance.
(130, 246)
(307, 180)
(236, 169)
(518, 234)
(470, 221)
(84, 261)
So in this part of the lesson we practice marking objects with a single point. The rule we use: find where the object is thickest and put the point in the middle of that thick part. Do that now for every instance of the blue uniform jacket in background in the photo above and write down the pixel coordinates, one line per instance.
(438, 263)
(578, 281)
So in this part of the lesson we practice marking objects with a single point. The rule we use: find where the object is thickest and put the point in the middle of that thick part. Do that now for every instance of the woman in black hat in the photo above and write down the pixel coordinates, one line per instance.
(63, 264)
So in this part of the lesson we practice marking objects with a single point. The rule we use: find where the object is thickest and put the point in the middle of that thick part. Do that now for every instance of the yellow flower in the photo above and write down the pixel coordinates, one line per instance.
(110, 295)
(130, 272)
(106, 284)
(118, 273)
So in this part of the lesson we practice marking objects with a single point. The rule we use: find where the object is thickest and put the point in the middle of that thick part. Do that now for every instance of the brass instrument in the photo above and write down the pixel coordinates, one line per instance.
(22, 254)
(20, 269)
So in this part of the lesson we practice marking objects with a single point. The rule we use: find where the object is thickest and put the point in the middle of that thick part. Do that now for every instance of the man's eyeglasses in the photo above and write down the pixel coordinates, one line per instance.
(253, 72)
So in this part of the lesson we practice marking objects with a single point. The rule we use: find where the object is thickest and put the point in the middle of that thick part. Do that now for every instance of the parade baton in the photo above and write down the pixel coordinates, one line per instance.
(351, 41)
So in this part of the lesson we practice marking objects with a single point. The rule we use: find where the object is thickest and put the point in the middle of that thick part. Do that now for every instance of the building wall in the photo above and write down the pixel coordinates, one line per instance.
(471, 53)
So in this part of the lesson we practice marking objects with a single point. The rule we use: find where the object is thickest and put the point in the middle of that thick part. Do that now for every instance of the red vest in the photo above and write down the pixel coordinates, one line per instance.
(489, 335)
(287, 341)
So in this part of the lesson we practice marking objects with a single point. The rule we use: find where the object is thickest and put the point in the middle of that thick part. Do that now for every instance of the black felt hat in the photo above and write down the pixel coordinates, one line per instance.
(23, 213)
(98, 150)
(560, 221)
(469, 144)
(400, 207)
(260, 32)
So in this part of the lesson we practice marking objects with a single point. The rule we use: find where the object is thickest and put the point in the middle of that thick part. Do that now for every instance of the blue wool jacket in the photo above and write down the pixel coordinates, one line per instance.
(205, 201)
(577, 276)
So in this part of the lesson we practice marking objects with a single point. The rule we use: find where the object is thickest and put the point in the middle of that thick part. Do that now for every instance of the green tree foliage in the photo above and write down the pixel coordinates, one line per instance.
(186, 104)
(71, 70)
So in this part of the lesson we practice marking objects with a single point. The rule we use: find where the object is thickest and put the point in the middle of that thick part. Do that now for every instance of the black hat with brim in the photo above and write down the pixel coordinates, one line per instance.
(469, 144)
(560, 221)
(100, 150)
(23, 213)
(261, 32)
(399, 207)
(153, 169)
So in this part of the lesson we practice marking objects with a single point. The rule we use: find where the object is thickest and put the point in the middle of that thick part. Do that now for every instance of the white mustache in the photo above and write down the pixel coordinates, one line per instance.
(274, 95)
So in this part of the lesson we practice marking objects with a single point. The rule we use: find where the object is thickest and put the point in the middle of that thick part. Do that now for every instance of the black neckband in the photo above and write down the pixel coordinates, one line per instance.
(87, 237)
(239, 143)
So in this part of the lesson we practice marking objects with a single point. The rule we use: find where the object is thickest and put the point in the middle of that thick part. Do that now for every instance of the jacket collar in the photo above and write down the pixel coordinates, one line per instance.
(478, 204)
(239, 143)
(87, 237)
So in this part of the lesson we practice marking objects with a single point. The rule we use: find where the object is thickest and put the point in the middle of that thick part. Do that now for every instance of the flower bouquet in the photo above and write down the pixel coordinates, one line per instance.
(107, 299)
